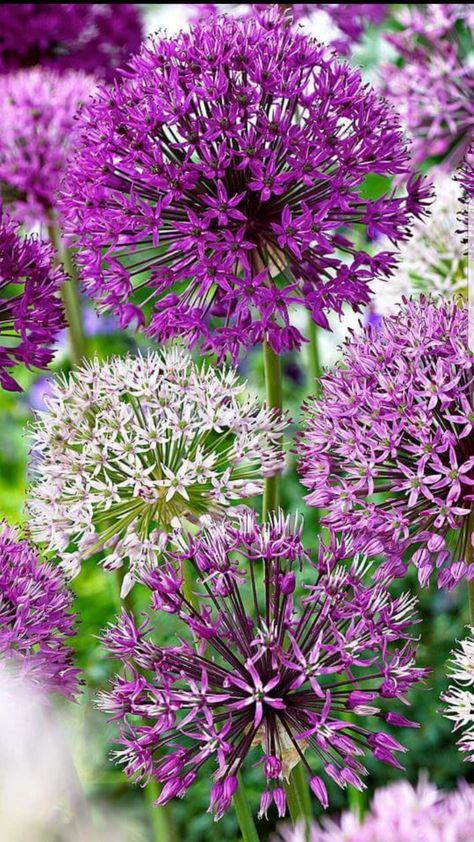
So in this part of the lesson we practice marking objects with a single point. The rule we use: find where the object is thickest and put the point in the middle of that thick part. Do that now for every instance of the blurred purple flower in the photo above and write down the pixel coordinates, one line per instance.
(35, 618)
(258, 666)
(31, 313)
(401, 813)
(38, 110)
(433, 87)
(219, 181)
(94, 37)
(389, 447)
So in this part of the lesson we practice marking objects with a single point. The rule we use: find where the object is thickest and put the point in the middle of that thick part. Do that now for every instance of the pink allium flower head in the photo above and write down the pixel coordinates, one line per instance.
(401, 813)
(279, 675)
(31, 313)
(94, 37)
(389, 448)
(38, 110)
(35, 618)
(433, 88)
(215, 187)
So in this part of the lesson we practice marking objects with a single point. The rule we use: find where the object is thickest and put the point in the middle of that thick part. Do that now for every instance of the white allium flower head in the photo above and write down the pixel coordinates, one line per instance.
(130, 451)
(434, 260)
(459, 697)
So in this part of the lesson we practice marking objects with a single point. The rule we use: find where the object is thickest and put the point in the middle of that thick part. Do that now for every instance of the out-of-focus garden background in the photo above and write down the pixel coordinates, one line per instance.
(113, 802)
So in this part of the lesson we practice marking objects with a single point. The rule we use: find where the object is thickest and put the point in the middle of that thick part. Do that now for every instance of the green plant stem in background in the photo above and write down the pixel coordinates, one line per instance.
(189, 584)
(244, 814)
(313, 358)
(298, 798)
(271, 494)
(161, 819)
(70, 296)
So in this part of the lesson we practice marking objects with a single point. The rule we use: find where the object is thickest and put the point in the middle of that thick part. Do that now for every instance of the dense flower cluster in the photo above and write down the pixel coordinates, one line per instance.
(31, 313)
(38, 110)
(402, 813)
(132, 449)
(389, 448)
(94, 37)
(215, 187)
(459, 698)
(433, 88)
(35, 618)
(279, 649)
(342, 24)
(434, 260)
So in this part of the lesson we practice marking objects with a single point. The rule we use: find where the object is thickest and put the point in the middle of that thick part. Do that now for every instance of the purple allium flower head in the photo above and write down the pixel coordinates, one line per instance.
(389, 447)
(131, 450)
(215, 187)
(35, 618)
(280, 650)
(348, 21)
(433, 88)
(31, 313)
(401, 813)
(94, 37)
(38, 110)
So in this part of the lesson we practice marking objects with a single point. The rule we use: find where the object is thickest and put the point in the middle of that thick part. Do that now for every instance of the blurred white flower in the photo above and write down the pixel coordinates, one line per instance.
(434, 260)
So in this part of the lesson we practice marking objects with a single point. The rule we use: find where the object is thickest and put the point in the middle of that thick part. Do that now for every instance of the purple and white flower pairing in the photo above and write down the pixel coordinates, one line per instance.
(237, 483)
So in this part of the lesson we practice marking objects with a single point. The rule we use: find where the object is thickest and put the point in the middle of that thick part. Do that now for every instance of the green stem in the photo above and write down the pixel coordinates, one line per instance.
(189, 584)
(70, 296)
(298, 799)
(244, 813)
(470, 586)
(161, 820)
(313, 355)
(271, 494)
(357, 802)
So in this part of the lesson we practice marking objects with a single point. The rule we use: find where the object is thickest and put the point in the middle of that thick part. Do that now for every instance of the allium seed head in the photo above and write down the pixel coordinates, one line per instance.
(31, 312)
(35, 618)
(131, 450)
(94, 37)
(38, 110)
(280, 650)
(389, 447)
(216, 186)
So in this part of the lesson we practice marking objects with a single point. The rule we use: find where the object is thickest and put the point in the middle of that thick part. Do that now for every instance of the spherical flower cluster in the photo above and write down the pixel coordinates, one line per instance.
(278, 652)
(216, 186)
(94, 37)
(389, 448)
(433, 87)
(38, 110)
(401, 813)
(459, 698)
(31, 313)
(130, 450)
(434, 260)
(35, 618)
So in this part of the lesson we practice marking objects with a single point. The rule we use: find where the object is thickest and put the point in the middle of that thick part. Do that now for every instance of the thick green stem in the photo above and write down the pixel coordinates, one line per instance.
(313, 358)
(189, 584)
(357, 802)
(70, 296)
(244, 814)
(298, 798)
(161, 820)
(271, 494)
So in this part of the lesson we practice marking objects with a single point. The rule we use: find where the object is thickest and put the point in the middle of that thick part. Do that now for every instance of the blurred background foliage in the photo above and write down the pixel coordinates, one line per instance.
(431, 748)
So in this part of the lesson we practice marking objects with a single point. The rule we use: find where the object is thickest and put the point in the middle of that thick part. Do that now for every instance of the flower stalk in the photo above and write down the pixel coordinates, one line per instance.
(70, 296)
